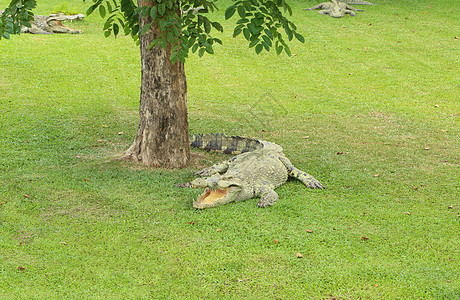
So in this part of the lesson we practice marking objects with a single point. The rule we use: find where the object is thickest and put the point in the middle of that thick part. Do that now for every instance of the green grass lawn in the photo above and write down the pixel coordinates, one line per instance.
(369, 105)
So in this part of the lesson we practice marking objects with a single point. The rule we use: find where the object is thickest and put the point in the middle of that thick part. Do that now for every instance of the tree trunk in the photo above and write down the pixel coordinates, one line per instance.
(162, 136)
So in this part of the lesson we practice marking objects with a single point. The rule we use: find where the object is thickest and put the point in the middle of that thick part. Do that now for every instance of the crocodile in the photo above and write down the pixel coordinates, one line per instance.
(335, 8)
(258, 169)
(52, 24)
(193, 10)
(358, 2)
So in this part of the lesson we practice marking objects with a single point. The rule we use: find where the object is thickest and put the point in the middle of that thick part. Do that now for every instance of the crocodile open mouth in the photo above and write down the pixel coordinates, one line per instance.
(210, 196)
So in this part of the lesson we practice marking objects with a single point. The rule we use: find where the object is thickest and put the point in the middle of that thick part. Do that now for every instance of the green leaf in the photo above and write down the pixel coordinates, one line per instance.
(247, 5)
(268, 33)
(288, 8)
(266, 46)
(145, 11)
(153, 12)
(246, 33)
(161, 9)
(107, 33)
(194, 48)
(254, 36)
(241, 12)
(264, 10)
(288, 33)
(174, 57)
(108, 23)
(230, 12)
(242, 21)
(253, 43)
(102, 11)
(30, 5)
(287, 50)
(152, 45)
(201, 52)
(175, 31)
(25, 23)
(190, 41)
(145, 28)
(170, 37)
(209, 50)
(259, 48)
(122, 24)
(299, 37)
(252, 28)
(162, 43)
(267, 40)
(237, 31)
(109, 7)
(279, 50)
(116, 29)
(137, 10)
(92, 8)
(135, 29)
(218, 26)
(207, 25)
(258, 21)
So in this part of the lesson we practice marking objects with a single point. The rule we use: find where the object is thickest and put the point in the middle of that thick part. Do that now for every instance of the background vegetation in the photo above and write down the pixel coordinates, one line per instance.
(368, 105)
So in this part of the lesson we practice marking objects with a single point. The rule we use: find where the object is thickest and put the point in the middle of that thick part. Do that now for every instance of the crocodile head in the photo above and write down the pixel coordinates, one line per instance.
(337, 10)
(54, 22)
(64, 17)
(219, 191)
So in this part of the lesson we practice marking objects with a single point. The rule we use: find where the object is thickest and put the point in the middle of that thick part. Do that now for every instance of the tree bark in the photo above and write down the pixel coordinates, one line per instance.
(162, 138)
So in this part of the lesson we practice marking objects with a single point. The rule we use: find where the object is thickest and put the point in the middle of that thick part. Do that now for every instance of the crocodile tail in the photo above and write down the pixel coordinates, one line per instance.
(226, 144)
(357, 2)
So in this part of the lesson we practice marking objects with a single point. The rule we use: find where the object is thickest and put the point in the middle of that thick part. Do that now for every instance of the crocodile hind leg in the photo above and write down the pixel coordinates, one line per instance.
(314, 7)
(268, 196)
(307, 179)
(352, 13)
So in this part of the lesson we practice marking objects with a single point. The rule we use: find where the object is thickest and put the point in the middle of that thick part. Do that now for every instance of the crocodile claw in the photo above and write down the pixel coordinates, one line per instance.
(184, 185)
(315, 184)
(263, 204)
(206, 172)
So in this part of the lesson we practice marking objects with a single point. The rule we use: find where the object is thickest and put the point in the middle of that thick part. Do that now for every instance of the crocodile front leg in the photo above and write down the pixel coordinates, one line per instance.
(306, 179)
(352, 8)
(35, 30)
(352, 13)
(201, 182)
(268, 196)
(218, 168)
